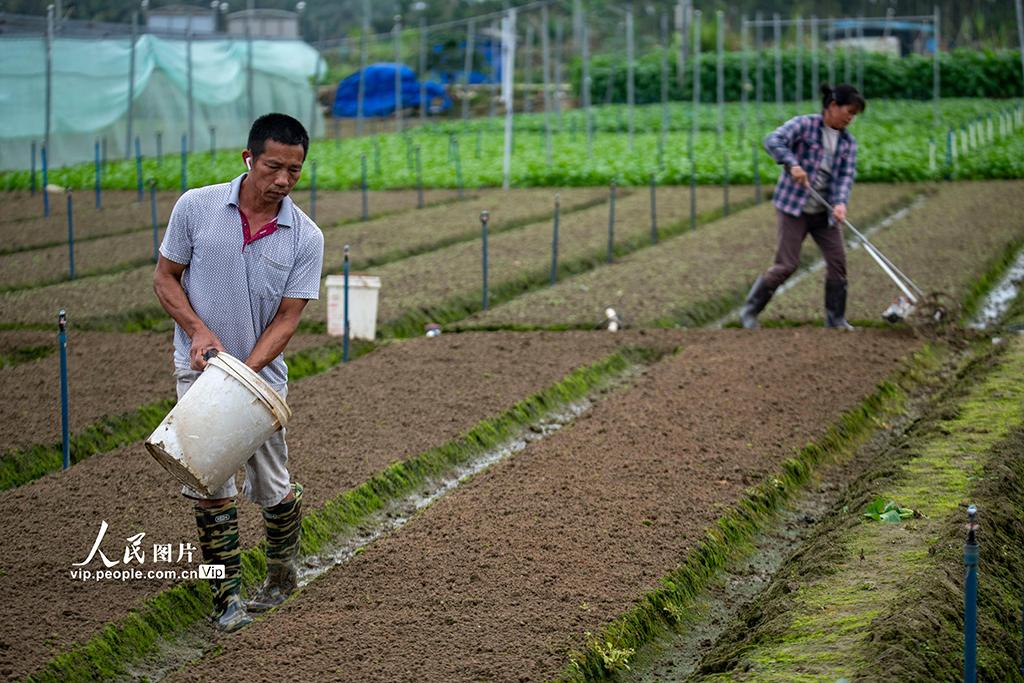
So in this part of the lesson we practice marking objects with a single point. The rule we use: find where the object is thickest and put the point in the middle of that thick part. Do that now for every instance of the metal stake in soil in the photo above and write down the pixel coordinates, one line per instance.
(611, 221)
(554, 241)
(725, 182)
(71, 238)
(419, 180)
(138, 170)
(62, 340)
(485, 217)
(344, 308)
(971, 598)
(654, 210)
(152, 215)
(96, 183)
(458, 164)
(362, 184)
(46, 193)
(757, 175)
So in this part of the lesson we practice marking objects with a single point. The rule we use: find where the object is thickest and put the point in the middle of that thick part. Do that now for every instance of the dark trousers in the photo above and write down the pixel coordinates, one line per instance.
(792, 231)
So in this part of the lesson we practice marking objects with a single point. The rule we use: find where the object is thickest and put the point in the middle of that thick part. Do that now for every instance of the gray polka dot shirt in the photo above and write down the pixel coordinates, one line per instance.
(236, 288)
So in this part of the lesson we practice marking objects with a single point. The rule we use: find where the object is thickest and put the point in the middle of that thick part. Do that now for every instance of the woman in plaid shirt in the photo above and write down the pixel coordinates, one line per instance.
(815, 151)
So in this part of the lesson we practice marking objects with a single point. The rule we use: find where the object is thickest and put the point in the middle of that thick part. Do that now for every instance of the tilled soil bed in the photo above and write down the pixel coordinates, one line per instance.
(348, 424)
(499, 580)
(108, 374)
(383, 239)
(450, 279)
(945, 245)
(691, 278)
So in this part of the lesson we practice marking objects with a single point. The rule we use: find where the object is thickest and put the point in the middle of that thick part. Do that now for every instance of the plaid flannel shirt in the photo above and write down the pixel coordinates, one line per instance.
(798, 142)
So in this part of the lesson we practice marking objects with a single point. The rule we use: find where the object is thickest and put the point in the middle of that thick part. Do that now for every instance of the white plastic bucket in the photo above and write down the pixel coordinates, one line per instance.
(218, 424)
(363, 291)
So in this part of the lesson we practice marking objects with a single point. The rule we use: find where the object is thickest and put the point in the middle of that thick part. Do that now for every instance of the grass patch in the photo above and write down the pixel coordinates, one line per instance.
(109, 652)
(25, 354)
(666, 607)
(865, 598)
(122, 267)
(21, 466)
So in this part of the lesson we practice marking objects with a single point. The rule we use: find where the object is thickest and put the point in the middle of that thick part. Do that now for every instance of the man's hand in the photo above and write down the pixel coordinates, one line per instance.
(799, 175)
(839, 211)
(202, 341)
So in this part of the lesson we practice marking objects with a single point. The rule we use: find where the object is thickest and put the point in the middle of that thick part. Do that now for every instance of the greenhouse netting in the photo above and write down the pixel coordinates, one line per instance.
(91, 88)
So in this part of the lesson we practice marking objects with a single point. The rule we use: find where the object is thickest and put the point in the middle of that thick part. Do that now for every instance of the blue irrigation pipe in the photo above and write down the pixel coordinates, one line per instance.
(419, 180)
(32, 173)
(46, 194)
(184, 162)
(654, 209)
(99, 199)
(152, 215)
(62, 339)
(71, 238)
(554, 239)
(362, 185)
(344, 309)
(312, 191)
(159, 148)
(611, 221)
(485, 218)
(138, 169)
(971, 598)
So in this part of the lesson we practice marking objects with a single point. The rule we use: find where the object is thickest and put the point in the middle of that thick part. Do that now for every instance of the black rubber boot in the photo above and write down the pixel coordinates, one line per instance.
(218, 538)
(283, 523)
(835, 305)
(759, 296)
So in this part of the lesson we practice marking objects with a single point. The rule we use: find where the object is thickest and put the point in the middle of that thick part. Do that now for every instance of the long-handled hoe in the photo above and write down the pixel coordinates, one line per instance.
(913, 305)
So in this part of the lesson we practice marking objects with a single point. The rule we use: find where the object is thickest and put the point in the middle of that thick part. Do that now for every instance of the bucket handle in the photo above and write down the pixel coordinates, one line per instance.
(209, 353)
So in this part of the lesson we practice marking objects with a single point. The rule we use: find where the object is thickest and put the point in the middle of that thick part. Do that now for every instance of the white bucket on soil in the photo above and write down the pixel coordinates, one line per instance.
(363, 291)
(218, 424)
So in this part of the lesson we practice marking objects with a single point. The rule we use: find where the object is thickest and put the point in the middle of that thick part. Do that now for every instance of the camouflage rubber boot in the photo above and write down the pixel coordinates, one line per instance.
(218, 538)
(283, 523)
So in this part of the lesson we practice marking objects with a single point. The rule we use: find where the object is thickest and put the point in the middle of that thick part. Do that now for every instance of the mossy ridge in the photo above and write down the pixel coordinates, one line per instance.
(119, 643)
(989, 278)
(665, 608)
(827, 612)
(25, 354)
(23, 465)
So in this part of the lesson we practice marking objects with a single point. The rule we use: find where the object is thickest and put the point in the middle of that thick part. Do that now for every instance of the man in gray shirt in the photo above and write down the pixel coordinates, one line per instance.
(237, 265)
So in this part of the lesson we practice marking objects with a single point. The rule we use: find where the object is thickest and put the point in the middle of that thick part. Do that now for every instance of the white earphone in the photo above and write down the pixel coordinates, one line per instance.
(248, 163)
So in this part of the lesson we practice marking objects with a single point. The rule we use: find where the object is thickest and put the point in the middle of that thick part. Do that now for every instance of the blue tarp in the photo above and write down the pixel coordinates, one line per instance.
(379, 92)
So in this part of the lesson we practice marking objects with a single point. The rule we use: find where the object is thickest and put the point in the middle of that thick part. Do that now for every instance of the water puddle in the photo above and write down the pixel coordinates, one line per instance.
(998, 301)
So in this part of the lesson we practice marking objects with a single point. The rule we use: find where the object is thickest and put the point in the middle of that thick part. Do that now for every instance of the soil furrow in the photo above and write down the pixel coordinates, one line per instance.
(348, 424)
(501, 580)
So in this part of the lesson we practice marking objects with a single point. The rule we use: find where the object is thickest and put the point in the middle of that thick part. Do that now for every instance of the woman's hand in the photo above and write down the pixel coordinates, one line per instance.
(799, 175)
(839, 211)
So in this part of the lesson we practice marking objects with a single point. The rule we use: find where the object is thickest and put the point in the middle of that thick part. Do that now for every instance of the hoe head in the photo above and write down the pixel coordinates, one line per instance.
(937, 309)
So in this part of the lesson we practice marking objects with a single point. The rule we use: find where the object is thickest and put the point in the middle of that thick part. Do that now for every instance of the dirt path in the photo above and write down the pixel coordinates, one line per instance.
(348, 424)
(500, 580)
